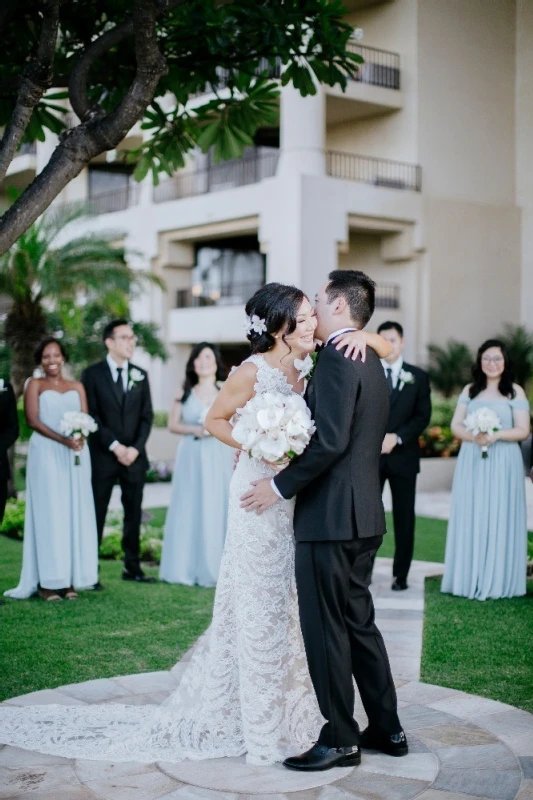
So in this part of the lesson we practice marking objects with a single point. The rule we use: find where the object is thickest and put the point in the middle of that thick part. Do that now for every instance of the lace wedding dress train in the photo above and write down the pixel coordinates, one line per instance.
(246, 688)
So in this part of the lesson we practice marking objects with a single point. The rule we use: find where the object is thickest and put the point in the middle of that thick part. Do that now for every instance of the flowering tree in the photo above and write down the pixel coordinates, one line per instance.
(119, 62)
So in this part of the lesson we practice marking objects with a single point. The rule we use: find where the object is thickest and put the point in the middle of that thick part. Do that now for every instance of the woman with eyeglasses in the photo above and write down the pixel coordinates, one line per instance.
(486, 545)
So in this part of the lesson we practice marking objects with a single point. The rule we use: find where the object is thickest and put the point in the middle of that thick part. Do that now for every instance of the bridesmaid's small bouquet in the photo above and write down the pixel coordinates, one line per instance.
(273, 426)
(77, 424)
(483, 420)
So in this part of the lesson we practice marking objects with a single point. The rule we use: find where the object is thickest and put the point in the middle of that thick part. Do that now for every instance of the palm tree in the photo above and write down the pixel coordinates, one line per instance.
(450, 367)
(37, 277)
(519, 341)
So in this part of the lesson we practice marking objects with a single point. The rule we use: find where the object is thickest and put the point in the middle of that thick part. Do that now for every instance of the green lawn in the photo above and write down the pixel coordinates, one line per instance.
(128, 628)
(430, 539)
(479, 647)
(482, 648)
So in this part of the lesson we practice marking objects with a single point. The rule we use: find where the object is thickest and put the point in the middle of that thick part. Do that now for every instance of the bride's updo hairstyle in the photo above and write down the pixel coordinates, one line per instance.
(278, 306)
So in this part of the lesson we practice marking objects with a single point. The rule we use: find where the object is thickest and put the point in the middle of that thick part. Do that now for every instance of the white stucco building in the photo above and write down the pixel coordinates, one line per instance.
(420, 174)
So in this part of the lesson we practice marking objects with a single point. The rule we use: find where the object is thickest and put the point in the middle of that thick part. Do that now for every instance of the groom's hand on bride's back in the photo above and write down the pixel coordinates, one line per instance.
(260, 497)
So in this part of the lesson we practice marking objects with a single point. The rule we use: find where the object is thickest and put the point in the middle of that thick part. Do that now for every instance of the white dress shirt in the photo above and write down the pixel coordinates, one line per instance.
(396, 369)
(113, 366)
(330, 337)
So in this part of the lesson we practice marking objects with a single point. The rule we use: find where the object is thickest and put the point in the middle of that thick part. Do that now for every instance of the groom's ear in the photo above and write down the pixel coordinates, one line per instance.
(339, 305)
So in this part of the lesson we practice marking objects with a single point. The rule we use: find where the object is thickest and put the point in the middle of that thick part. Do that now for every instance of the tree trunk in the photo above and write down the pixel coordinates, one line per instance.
(25, 327)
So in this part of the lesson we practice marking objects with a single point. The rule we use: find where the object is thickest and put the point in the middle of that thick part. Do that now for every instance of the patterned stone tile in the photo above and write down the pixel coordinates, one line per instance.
(147, 682)
(400, 603)
(508, 723)
(401, 615)
(419, 766)
(416, 716)
(94, 691)
(526, 791)
(484, 756)
(456, 734)
(436, 794)
(416, 745)
(424, 693)
(468, 706)
(526, 762)
(128, 781)
(235, 775)
(489, 784)
(44, 697)
(194, 793)
(53, 782)
(521, 745)
(372, 786)
(16, 757)
(150, 699)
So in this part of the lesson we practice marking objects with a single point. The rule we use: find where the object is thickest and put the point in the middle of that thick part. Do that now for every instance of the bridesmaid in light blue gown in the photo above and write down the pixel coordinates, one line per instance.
(195, 526)
(486, 545)
(60, 550)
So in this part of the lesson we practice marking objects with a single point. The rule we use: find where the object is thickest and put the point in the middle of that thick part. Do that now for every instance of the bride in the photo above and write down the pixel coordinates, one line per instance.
(246, 689)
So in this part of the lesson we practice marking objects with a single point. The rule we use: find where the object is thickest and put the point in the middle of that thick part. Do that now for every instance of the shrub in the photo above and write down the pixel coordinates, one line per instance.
(160, 419)
(158, 471)
(450, 367)
(519, 341)
(111, 547)
(13, 522)
(438, 439)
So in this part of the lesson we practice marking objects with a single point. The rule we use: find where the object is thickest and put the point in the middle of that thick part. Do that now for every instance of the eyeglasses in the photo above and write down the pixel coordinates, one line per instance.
(126, 338)
(494, 359)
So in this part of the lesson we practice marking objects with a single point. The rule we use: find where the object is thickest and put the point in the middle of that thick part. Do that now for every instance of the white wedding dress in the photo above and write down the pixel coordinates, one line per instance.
(246, 688)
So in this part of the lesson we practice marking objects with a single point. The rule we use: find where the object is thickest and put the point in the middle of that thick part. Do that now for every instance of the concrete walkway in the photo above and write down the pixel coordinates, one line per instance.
(461, 747)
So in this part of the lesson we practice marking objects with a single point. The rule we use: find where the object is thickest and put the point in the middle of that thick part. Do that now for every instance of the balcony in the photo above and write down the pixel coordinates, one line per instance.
(374, 171)
(224, 75)
(117, 200)
(232, 294)
(387, 296)
(252, 168)
(380, 68)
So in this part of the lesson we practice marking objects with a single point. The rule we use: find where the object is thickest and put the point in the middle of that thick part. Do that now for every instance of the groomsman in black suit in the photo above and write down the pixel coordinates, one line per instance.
(410, 411)
(118, 395)
(9, 431)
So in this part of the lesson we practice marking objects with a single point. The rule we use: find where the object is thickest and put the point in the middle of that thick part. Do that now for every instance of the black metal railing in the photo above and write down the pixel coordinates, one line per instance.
(117, 200)
(230, 294)
(376, 171)
(387, 296)
(224, 76)
(217, 177)
(380, 68)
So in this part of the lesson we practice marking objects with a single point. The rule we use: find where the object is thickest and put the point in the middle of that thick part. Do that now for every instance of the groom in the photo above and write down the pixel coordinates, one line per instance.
(339, 524)
(118, 396)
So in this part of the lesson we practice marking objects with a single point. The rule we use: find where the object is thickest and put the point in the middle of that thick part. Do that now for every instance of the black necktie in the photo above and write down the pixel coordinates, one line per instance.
(119, 385)
(389, 380)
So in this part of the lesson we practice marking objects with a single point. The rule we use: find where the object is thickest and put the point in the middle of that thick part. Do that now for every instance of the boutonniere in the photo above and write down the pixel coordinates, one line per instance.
(3, 387)
(135, 377)
(405, 378)
(306, 366)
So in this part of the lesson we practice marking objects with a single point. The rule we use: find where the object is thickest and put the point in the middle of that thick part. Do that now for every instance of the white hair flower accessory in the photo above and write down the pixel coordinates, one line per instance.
(256, 324)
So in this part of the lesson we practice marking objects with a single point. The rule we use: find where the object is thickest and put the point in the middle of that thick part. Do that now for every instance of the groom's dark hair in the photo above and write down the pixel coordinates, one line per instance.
(358, 290)
(109, 329)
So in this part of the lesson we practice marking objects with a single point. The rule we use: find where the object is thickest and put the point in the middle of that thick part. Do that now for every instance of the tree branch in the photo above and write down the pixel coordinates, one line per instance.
(88, 140)
(36, 79)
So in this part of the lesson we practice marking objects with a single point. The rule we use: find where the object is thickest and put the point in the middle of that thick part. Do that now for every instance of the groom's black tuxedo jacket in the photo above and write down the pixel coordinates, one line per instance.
(129, 423)
(9, 428)
(336, 479)
(410, 411)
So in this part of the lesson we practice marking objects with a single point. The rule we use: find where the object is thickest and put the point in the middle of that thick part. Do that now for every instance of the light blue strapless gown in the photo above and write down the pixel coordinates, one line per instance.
(195, 526)
(486, 544)
(60, 540)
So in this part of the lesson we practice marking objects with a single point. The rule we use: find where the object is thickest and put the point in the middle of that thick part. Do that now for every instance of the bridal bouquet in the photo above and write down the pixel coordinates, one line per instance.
(274, 426)
(484, 420)
(77, 424)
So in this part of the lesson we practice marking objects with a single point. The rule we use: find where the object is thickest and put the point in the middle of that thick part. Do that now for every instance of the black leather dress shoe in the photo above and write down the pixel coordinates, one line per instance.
(398, 585)
(138, 577)
(394, 745)
(98, 587)
(320, 757)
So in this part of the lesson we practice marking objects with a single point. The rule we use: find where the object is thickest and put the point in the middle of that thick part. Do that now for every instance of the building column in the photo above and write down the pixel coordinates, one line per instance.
(302, 132)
